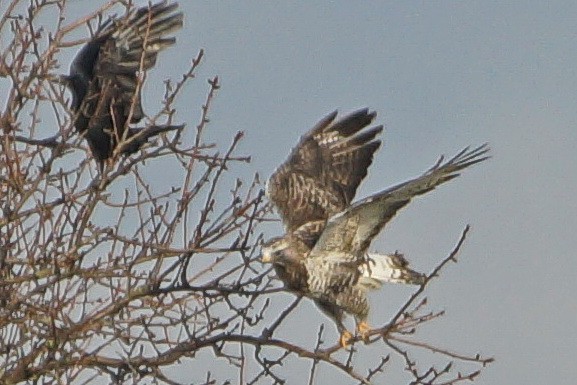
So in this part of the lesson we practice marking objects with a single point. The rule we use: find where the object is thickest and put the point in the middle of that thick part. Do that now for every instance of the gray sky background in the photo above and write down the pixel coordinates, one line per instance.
(441, 75)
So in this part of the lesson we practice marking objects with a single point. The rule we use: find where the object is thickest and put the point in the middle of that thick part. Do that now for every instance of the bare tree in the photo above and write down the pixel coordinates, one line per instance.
(117, 276)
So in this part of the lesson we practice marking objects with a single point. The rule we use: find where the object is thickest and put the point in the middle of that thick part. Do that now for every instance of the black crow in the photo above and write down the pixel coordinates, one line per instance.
(104, 78)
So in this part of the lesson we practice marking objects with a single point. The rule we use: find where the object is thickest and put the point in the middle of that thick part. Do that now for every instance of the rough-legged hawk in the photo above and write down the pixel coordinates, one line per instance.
(324, 252)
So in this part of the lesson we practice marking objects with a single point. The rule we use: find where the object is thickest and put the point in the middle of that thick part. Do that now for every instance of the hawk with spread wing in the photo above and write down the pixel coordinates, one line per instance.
(324, 252)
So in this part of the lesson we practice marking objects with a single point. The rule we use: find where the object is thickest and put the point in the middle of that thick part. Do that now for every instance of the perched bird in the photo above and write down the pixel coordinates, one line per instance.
(104, 78)
(324, 251)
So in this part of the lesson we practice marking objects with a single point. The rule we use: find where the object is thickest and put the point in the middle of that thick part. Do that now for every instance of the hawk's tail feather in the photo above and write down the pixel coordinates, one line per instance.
(391, 268)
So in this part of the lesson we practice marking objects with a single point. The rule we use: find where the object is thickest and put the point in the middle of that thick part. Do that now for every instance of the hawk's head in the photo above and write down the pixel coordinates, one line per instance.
(277, 250)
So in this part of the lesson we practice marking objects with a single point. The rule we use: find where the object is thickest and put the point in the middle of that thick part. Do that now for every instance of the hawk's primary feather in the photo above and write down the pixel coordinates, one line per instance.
(324, 252)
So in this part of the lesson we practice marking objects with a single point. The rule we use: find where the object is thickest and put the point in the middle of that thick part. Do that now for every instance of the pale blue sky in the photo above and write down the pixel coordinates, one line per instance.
(441, 75)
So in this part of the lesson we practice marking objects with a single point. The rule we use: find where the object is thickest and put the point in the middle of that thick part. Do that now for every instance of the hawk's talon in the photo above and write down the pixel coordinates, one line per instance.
(324, 256)
(346, 338)
(364, 329)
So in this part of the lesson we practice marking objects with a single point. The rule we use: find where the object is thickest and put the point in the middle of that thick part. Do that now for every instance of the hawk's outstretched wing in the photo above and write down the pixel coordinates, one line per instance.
(335, 260)
(323, 253)
(323, 171)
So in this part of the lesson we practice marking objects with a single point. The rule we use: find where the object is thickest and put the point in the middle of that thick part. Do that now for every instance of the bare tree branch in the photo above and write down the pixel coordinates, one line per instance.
(122, 276)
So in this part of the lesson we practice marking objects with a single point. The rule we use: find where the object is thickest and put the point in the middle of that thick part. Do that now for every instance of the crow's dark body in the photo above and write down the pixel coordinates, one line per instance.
(106, 94)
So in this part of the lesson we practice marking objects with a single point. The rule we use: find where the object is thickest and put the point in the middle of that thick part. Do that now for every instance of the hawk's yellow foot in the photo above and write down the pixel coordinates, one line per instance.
(346, 338)
(364, 329)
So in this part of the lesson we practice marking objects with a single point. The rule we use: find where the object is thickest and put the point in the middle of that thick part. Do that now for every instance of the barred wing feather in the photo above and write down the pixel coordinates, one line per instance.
(341, 249)
(323, 171)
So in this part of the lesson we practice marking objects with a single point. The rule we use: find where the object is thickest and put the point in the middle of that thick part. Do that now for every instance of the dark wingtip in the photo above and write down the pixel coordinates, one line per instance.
(330, 116)
(323, 123)
(467, 158)
(462, 160)
(354, 122)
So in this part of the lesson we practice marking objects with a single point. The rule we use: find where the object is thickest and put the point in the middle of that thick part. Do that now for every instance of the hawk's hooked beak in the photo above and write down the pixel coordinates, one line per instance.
(273, 252)
(266, 257)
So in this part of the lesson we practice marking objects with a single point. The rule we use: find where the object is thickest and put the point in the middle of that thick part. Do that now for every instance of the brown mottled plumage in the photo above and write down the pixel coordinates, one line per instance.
(319, 179)
(324, 253)
(323, 171)
(335, 264)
